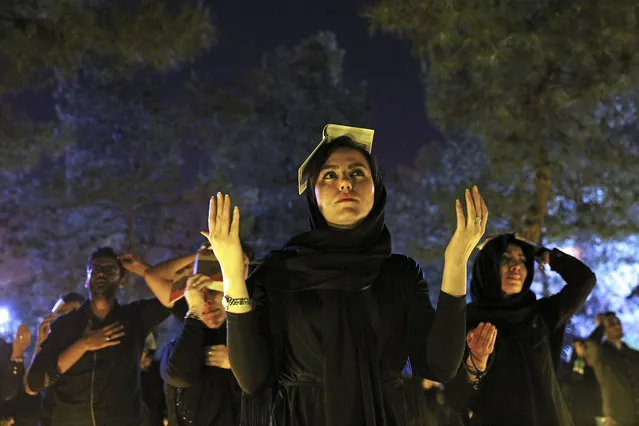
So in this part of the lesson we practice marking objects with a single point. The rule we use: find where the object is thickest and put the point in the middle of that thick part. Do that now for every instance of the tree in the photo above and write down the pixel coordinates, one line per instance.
(528, 79)
(45, 42)
(271, 123)
(122, 184)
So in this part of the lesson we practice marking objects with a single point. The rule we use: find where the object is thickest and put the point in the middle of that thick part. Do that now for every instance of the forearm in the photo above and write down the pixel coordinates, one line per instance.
(249, 352)
(184, 358)
(454, 277)
(235, 287)
(159, 277)
(446, 337)
(71, 355)
(27, 389)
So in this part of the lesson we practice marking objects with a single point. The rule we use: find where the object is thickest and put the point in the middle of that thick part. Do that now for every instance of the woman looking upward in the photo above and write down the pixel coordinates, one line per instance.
(333, 316)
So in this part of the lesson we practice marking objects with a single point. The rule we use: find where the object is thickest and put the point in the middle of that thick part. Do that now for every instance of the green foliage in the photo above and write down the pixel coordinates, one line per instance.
(537, 83)
(44, 43)
(38, 36)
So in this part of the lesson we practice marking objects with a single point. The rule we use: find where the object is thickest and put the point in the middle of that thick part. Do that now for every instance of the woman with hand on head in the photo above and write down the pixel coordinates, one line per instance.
(334, 316)
(514, 344)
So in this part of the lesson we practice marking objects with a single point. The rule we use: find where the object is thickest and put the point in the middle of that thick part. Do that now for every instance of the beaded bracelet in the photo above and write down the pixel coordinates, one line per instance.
(476, 372)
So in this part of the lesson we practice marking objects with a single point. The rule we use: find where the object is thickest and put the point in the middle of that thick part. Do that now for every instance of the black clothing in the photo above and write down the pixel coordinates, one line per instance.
(153, 394)
(335, 320)
(280, 342)
(197, 394)
(48, 406)
(103, 387)
(617, 371)
(520, 387)
(11, 373)
(22, 408)
(581, 392)
(341, 264)
(14, 402)
(428, 407)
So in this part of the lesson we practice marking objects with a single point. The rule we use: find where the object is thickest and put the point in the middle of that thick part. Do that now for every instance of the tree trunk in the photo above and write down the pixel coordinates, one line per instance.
(534, 222)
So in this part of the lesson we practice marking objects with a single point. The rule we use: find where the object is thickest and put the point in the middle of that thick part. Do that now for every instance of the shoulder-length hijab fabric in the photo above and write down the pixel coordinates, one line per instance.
(490, 303)
(341, 264)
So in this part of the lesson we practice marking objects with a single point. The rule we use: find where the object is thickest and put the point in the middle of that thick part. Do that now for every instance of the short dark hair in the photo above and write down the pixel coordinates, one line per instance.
(103, 252)
(248, 251)
(72, 297)
(319, 158)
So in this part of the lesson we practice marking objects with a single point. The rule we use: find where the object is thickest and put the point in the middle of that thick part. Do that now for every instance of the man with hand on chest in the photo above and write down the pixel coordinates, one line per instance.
(93, 354)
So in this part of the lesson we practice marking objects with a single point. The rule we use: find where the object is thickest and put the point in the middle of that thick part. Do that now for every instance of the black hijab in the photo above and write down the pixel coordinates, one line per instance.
(490, 303)
(342, 265)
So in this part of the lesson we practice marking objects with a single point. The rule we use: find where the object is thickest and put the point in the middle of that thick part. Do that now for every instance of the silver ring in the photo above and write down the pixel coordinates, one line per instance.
(108, 338)
(477, 220)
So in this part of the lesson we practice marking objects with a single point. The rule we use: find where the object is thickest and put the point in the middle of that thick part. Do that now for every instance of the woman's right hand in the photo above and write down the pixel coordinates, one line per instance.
(224, 236)
(481, 343)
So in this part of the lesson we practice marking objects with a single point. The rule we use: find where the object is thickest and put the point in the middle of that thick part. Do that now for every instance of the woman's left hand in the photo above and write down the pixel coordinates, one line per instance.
(469, 229)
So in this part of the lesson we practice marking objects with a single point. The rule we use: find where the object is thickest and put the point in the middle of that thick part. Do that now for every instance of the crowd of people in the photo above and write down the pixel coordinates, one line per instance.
(331, 329)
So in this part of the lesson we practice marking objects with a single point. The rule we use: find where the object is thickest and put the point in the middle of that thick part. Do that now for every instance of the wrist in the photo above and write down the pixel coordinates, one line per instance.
(16, 355)
(455, 256)
(479, 363)
(193, 314)
(83, 344)
(143, 270)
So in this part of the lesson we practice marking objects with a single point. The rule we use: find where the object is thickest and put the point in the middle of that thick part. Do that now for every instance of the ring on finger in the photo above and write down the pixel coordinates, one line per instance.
(107, 338)
(477, 220)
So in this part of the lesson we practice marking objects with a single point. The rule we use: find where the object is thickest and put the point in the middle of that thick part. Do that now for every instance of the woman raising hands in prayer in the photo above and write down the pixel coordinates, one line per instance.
(333, 316)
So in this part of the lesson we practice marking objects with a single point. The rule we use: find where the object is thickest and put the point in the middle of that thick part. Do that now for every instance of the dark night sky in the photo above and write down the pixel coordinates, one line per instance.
(247, 31)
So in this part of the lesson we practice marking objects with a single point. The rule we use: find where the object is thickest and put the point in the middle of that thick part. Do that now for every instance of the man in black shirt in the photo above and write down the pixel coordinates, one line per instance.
(12, 372)
(617, 370)
(93, 354)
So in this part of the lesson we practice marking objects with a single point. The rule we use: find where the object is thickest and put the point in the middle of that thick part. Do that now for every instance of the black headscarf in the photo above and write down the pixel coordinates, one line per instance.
(342, 264)
(490, 303)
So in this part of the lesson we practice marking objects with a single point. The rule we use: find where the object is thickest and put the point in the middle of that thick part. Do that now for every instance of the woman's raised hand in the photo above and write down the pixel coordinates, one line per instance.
(469, 229)
(224, 236)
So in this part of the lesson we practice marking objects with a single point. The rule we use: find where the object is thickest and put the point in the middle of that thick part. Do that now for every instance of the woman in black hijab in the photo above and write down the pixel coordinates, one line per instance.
(334, 316)
(517, 384)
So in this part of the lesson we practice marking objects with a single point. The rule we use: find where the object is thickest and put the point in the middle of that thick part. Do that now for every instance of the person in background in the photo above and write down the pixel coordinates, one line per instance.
(616, 367)
(33, 407)
(152, 383)
(581, 388)
(200, 388)
(92, 354)
(515, 340)
(12, 373)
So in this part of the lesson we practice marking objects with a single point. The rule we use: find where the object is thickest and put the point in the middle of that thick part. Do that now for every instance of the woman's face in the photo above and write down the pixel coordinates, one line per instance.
(512, 268)
(345, 191)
